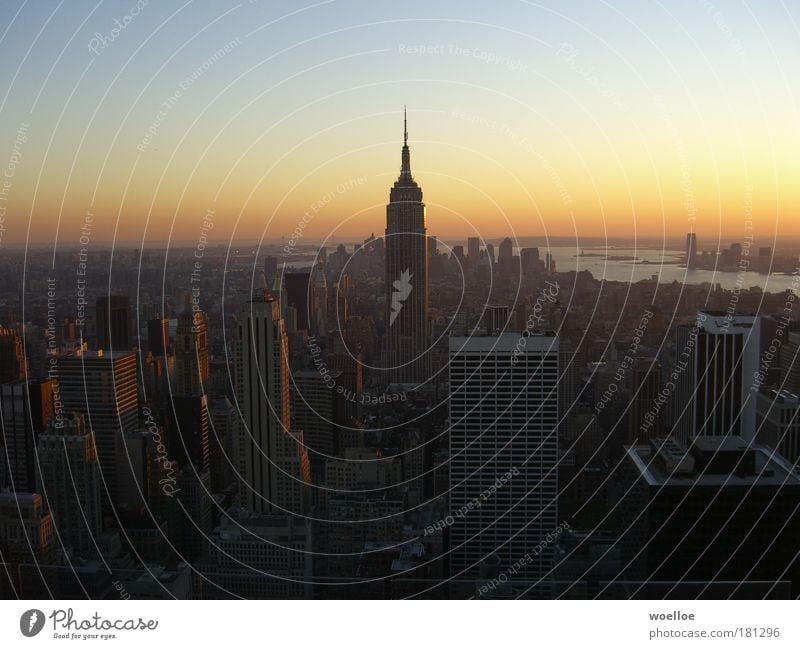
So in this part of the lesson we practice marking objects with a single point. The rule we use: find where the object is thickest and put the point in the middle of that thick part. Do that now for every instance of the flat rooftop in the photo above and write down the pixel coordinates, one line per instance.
(771, 469)
(507, 341)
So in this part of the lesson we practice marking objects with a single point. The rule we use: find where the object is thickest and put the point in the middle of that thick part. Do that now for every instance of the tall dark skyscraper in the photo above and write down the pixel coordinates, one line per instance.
(406, 277)
(191, 355)
(113, 319)
(300, 295)
(158, 336)
(25, 407)
(506, 256)
(273, 463)
(473, 249)
(189, 426)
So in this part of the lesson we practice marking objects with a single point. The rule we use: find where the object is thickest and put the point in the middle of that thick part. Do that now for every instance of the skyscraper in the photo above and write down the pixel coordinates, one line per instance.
(113, 320)
(529, 259)
(473, 249)
(25, 407)
(273, 463)
(503, 449)
(191, 355)
(318, 409)
(102, 386)
(720, 356)
(189, 425)
(319, 323)
(505, 256)
(69, 480)
(300, 294)
(158, 336)
(189, 418)
(406, 277)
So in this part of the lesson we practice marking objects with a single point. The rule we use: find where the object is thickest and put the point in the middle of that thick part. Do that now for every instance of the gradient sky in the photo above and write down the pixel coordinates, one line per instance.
(560, 118)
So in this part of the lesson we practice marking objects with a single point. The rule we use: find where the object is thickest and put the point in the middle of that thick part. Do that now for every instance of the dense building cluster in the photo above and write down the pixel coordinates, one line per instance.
(392, 419)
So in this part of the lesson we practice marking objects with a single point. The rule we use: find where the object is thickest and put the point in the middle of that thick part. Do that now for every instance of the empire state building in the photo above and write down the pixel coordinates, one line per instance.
(407, 338)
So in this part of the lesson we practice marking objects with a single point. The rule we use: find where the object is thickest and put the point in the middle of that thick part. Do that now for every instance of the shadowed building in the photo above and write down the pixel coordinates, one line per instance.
(273, 463)
(69, 481)
(300, 294)
(723, 510)
(25, 407)
(113, 319)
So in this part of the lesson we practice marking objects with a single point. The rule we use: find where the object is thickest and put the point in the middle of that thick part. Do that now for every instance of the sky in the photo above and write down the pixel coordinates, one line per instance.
(268, 118)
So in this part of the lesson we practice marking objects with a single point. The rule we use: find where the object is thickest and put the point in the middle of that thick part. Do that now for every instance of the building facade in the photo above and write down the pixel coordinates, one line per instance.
(273, 463)
(503, 450)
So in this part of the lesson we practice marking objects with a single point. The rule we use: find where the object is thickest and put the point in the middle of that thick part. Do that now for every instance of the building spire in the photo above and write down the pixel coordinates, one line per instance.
(405, 169)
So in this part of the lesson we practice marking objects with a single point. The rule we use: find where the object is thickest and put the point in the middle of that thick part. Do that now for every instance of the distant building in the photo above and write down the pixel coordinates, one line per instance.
(407, 334)
(113, 321)
(158, 336)
(300, 295)
(505, 256)
(691, 251)
(473, 249)
(529, 258)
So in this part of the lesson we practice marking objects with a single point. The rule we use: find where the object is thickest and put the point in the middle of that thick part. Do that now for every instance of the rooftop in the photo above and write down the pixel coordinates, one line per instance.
(769, 469)
(508, 341)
